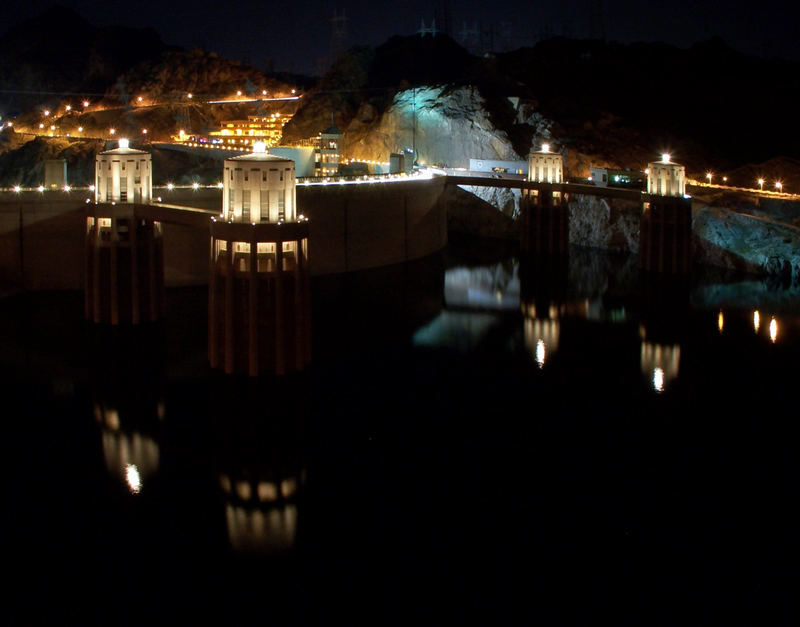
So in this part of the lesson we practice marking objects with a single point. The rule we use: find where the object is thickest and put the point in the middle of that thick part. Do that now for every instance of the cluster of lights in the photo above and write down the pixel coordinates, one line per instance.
(382, 178)
(40, 188)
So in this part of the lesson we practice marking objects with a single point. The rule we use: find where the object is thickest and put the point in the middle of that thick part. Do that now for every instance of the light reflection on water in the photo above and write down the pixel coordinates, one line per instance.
(367, 470)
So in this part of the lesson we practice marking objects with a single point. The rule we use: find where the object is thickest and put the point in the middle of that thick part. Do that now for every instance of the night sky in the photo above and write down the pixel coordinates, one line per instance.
(296, 36)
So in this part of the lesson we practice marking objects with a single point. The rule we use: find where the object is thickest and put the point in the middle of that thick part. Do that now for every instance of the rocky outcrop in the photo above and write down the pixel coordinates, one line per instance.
(611, 225)
(746, 243)
(503, 199)
(447, 125)
(469, 214)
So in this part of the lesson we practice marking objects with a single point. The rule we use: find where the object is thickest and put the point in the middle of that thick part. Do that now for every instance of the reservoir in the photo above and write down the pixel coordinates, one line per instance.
(478, 436)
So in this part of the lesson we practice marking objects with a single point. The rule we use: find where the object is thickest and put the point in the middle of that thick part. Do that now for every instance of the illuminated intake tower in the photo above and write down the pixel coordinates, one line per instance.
(124, 252)
(545, 214)
(666, 225)
(259, 306)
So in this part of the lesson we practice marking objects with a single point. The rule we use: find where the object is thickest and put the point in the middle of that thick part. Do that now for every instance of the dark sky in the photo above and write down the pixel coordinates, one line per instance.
(296, 36)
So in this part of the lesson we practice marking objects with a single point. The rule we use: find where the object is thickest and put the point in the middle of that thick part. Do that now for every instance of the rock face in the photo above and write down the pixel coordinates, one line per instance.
(746, 243)
(599, 223)
(448, 126)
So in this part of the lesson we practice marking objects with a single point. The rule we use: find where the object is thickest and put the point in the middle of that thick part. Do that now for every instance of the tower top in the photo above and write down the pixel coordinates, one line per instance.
(123, 148)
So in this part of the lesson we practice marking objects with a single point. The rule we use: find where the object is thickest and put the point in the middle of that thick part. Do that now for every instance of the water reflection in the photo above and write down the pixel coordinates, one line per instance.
(259, 461)
(129, 453)
(475, 300)
(660, 362)
(127, 391)
(222, 469)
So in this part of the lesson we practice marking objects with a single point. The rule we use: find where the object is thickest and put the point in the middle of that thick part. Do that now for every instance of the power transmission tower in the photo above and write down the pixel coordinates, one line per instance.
(338, 34)
(443, 17)
(597, 26)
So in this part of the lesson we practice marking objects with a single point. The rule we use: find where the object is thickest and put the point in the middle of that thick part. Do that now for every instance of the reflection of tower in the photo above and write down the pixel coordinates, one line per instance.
(130, 451)
(128, 402)
(666, 224)
(543, 281)
(338, 35)
(665, 304)
(259, 308)
(124, 252)
(260, 468)
(545, 213)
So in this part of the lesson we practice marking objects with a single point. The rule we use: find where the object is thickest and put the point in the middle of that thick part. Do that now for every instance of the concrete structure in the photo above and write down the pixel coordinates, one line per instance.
(55, 173)
(258, 187)
(665, 178)
(124, 259)
(397, 163)
(504, 167)
(303, 157)
(330, 151)
(545, 166)
(123, 174)
(259, 306)
(666, 226)
(545, 211)
(610, 177)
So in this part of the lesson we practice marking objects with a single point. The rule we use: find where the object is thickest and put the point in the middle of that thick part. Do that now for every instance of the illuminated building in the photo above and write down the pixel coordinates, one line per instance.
(330, 151)
(609, 177)
(665, 178)
(503, 167)
(124, 252)
(545, 213)
(123, 175)
(666, 224)
(256, 128)
(259, 310)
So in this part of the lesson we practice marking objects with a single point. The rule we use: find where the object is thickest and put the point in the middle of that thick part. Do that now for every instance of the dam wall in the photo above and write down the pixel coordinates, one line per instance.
(351, 227)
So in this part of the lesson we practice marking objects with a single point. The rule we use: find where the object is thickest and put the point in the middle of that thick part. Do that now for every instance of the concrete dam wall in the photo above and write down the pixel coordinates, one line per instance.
(351, 227)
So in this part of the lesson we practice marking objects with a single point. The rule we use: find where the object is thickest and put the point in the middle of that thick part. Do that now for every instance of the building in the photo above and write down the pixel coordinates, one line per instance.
(665, 228)
(330, 151)
(499, 167)
(124, 252)
(610, 177)
(256, 128)
(303, 157)
(545, 212)
(123, 174)
(259, 308)
(665, 178)
(546, 166)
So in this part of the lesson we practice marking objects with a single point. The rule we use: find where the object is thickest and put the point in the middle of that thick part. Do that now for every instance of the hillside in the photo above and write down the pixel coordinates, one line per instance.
(600, 103)
(59, 51)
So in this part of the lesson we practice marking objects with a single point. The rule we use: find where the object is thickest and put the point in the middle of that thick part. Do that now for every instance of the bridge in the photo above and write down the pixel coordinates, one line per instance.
(568, 188)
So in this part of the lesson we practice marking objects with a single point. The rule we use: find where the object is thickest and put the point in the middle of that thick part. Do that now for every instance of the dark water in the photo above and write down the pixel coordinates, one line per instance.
(477, 438)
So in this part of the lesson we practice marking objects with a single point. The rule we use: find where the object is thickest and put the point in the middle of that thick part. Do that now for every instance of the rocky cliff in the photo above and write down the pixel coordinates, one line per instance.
(446, 125)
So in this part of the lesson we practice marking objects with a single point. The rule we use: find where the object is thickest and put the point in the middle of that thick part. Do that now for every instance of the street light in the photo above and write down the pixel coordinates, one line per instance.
(778, 186)
(708, 176)
(761, 184)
